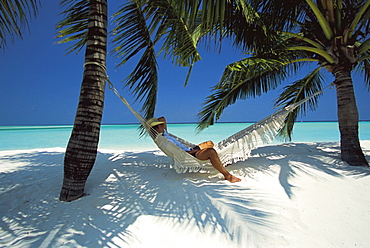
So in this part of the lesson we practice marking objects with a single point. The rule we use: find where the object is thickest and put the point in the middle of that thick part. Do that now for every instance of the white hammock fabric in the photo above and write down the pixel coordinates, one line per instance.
(231, 150)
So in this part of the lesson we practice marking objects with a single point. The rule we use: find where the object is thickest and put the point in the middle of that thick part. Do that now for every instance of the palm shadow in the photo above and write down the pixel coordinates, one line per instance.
(305, 157)
(122, 188)
(125, 187)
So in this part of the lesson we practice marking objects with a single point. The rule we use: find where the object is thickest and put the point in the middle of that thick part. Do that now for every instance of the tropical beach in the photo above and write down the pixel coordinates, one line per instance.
(75, 173)
(294, 194)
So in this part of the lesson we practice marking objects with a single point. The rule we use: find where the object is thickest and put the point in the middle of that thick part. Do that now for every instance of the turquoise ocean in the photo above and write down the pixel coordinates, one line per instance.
(127, 137)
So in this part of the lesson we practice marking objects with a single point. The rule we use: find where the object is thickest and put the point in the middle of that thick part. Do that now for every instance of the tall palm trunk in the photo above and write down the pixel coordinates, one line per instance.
(351, 151)
(83, 144)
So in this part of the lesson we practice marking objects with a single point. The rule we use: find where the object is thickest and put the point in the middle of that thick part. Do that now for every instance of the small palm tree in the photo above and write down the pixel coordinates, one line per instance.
(333, 34)
(14, 15)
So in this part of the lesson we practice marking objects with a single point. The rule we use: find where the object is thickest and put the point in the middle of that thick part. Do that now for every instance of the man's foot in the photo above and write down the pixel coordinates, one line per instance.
(232, 179)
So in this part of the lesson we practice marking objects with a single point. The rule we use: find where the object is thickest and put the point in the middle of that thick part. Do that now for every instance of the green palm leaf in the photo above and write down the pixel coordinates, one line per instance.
(243, 79)
(140, 25)
(181, 36)
(14, 15)
(359, 16)
(364, 47)
(296, 92)
(284, 14)
(321, 19)
(364, 67)
(366, 72)
(254, 76)
(132, 36)
(74, 26)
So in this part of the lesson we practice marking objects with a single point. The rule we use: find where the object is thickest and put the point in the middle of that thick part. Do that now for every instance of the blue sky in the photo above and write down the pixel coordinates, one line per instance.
(40, 85)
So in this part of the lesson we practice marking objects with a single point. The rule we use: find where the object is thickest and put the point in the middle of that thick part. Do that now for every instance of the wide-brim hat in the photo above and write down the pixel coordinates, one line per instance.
(154, 122)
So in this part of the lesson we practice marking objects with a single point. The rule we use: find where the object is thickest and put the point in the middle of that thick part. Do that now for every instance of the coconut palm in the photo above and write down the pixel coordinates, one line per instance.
(281, 38)
(14, 15)
(299, 34)
(332, 34)
(85, 22)
(140, 26)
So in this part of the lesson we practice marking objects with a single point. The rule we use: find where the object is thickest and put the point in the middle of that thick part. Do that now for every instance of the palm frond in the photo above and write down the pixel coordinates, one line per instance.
(240, 22)
(143, 82)
(251, 77)
(243, 79)
(181, 36)
(317, 51)
(131, 34)
(300, 36)
(359, 17)
(296, 92)
(74, 26)
(364, 47)
(284, 14)
(367, 73)
(364, 67)
(208, 12)
(132, 37)
(327, 29)
(14, 16)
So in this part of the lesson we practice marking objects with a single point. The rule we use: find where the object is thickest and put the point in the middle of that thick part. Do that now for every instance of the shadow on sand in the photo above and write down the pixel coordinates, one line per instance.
(290, 157)
(126, 186)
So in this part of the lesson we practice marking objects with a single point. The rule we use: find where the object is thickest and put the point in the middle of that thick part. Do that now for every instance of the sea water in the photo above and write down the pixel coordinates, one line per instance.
(127, 137)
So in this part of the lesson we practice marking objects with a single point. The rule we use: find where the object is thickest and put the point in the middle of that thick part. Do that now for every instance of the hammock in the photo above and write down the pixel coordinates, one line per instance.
(235, 148)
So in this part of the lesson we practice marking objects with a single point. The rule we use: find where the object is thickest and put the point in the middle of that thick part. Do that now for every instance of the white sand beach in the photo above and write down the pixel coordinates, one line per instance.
(291, 195)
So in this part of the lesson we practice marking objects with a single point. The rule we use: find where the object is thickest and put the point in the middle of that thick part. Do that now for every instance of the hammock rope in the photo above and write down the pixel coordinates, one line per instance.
(233, 149)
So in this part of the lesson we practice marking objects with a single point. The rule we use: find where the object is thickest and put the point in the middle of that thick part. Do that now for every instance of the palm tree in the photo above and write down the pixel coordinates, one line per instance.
(140, 26)
(87, 22)
(333, 34)
(14, 15)
(179, 26)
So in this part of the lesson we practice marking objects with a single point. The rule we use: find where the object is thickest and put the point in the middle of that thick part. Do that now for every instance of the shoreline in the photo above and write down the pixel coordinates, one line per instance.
(171, 123)
(154, 149)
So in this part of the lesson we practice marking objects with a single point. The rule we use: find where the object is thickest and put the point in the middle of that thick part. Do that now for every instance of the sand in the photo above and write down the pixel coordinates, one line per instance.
(291, 195)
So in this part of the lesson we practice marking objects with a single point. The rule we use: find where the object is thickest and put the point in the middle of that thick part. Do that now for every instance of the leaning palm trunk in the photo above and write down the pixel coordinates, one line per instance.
(83, 144)
(348, 119)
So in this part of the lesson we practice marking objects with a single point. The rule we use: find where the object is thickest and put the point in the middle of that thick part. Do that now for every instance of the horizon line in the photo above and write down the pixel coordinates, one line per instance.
(138, 123)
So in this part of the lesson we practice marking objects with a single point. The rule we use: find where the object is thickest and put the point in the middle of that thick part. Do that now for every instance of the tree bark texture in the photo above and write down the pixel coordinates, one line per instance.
(82, 148)
(351, 151)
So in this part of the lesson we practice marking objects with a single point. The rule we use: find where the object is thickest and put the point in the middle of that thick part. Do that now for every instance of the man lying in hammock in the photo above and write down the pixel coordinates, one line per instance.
(204, 151)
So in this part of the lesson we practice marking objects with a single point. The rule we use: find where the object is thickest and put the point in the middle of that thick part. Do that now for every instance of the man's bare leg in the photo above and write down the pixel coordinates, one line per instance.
(211, 154)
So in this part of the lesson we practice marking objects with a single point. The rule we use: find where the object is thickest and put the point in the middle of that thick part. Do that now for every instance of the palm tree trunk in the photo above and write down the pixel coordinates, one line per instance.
(351, 151)
(83, 144)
